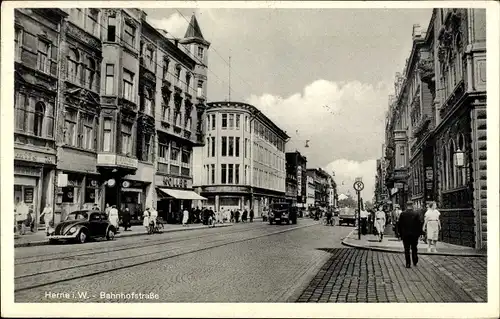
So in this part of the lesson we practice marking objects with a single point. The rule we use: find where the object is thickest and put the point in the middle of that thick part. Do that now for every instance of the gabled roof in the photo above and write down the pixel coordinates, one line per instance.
(193, 30)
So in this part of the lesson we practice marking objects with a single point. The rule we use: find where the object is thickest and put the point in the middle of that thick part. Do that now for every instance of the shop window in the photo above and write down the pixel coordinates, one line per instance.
(223, 174)
(231, 146)
(237, 147)
(68, 194)
(224, 145)
(224, 121)
(43, 60)
(107, 132)
(90, 195)
(129, 34)
(128, 85)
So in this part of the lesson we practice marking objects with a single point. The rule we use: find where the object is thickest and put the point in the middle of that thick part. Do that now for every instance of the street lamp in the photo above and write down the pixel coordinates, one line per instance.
(459, 158)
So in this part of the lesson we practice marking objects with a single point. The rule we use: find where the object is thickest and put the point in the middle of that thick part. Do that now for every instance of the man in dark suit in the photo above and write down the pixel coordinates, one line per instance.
(410, 229)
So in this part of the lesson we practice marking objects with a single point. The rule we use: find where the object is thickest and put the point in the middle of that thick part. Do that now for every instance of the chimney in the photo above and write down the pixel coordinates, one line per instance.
(417, 32)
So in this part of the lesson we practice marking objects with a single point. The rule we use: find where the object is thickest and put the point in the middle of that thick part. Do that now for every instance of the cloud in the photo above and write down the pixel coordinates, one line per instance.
(175, 24)
(343, 123)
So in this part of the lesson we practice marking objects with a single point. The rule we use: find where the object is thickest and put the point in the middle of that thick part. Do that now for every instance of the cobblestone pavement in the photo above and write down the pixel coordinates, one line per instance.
(243, 263)
(352, 275)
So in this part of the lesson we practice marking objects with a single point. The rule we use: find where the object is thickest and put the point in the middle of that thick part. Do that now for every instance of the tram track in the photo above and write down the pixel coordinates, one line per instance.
(104, 250)
(56, 276)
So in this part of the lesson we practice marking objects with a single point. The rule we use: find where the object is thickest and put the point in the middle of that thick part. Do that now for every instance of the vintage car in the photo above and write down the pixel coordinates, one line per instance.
(348, 215)
(282, 212)
(83, 225)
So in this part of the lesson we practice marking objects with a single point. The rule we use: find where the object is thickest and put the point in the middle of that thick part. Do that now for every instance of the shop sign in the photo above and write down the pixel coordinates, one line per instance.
(428, 185)
(176, 182)
(126, 161)
(28, 195)
(299, 180)
(24, 170)
(32, 157)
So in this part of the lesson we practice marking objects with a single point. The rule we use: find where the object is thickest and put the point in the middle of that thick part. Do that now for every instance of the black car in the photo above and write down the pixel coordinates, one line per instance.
(83, 225)
(282, 212)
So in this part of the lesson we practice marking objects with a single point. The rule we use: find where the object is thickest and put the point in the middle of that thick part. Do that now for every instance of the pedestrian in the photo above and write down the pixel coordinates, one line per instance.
(126, 219)
(410, 229)
(232, 216)
(432, 226)
(145, 220)
(21, 216)
(153, 213)
(30, 220)
(237, 216)
(395, 220)
(364, 221)
(48, 217)
(244, 216)
(114, 217)
(185, 217)
(251, 215)
(380, 222)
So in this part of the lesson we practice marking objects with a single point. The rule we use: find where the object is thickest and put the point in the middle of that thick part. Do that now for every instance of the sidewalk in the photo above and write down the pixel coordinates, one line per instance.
(391, 244)
(39, 238)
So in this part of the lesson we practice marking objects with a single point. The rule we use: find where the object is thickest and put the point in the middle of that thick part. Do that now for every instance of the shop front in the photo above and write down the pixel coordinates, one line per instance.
(33, 181)
(174, 194)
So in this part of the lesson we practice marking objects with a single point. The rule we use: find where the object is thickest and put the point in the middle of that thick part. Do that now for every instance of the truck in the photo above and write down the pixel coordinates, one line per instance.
(282, 212)
(347, 215)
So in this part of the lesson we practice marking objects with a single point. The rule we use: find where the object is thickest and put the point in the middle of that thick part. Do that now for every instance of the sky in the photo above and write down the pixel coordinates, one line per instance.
(322, 75)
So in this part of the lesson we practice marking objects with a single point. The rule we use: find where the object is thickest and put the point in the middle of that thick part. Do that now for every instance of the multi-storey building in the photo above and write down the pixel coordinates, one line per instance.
(37, 82)
(97, 79)
(321, 184)
(310, 191)
(296, 178)
(436, 128)
(243, 162)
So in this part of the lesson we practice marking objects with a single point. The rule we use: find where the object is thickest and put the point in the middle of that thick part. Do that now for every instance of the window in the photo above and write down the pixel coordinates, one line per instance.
(110, 79)
(188, 124)
(444, 169)
(231, 121)
(230, 173)
(107, 132)
(18, 43)
(177, 73)
(90, 68)
(200, 52)
(39, 115)
(224, 146)
(231, 146)
(129, 34)
(463, 171)
(452, 167)
(166, 62)
(128, 85)
(21, 106)
(247, 150)
(88, 131)
(111, 29)
(224, 121)
(174, 154)
(43, 61)
(213, 122)
(149, 54)
(237, 147)
(70, 127)
(237, 173)
(163, 148)
(213, 174)
(188, 81)
(200, 88)
(213, 146)
(126, 133)
(223, 174)
(91, 24)
(73, 61)
(185, 157)
(146, 151)
(165, 112)
(200, 84)
(148, 101)
(237, 121)
(247, 179)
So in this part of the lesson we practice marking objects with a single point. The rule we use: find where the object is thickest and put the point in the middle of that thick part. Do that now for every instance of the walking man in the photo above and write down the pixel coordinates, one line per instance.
(364, 221)
(395, 220)
(410, 229)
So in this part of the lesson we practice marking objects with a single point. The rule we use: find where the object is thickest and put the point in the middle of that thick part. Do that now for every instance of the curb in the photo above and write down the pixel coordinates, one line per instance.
(390, 250)
(46, 242)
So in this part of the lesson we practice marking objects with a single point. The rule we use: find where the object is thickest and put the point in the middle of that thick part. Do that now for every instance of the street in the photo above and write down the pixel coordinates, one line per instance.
(250, 262)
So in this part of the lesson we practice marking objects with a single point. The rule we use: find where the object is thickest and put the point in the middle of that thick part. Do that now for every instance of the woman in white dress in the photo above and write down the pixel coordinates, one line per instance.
(185, 217)
(145, 221)
(114, 217)
(432, 226)
(380, 222)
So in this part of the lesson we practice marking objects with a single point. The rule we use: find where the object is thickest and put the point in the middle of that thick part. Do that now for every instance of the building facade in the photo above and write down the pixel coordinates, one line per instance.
(436, 126)
(322, 182)
(242, 164)
(311, 190)
(102, 113)
(296, 169)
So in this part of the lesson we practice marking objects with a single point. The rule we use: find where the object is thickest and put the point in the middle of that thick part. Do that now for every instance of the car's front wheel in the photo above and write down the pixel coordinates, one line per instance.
(82, 237)
(110, 235)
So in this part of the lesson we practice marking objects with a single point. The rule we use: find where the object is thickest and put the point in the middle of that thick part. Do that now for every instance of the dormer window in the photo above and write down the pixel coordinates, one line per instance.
(200, 52)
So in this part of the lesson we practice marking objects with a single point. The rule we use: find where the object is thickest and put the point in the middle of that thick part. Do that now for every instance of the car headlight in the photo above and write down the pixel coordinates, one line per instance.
(72, 230)
(271, 214)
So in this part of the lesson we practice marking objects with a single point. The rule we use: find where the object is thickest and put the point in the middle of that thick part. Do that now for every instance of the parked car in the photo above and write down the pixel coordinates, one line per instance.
(82, 226)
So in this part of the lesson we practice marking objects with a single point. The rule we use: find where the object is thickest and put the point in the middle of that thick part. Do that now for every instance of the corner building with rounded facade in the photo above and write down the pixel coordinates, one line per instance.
(242, 164)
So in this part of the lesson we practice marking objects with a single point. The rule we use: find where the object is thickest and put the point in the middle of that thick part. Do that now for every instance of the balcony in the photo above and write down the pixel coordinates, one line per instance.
(115, 160)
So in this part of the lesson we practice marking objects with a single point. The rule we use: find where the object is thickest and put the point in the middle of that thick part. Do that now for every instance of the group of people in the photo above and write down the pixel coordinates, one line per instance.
(24, 218)
(207, 215)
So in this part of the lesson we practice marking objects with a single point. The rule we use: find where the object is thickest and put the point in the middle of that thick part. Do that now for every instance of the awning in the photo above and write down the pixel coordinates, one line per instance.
(180, 194)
